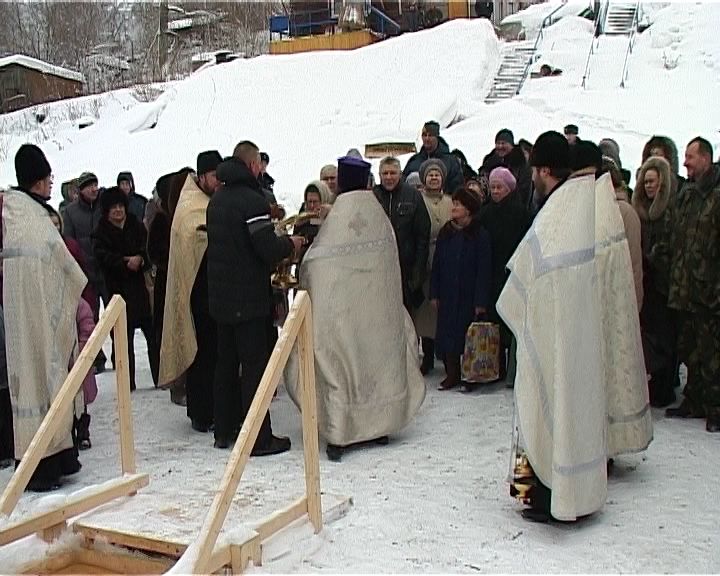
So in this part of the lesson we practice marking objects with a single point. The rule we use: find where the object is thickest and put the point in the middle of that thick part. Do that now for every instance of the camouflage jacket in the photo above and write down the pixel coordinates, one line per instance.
(695, 236)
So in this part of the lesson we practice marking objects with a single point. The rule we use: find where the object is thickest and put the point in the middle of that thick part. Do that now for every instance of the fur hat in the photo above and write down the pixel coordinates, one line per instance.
(432, 128)
(208, 161)
(111, 197)
(85, 179)
(413, 179)
(469, 199)
(432, 164)
(551, 150)
(31, 166)
(505, 135)
(609, 147)
(503, 175)
(585, 154)
(667, 146)
(352, 174)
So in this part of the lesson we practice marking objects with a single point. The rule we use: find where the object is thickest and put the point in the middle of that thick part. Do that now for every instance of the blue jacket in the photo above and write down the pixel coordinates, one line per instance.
(461, 280)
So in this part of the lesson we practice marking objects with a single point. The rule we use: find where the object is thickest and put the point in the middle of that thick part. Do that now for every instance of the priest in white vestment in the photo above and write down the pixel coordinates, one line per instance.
(366, 356)
(580, 389)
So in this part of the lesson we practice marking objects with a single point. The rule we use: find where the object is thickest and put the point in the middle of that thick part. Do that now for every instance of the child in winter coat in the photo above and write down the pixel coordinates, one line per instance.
(460, 281)
(85, 321)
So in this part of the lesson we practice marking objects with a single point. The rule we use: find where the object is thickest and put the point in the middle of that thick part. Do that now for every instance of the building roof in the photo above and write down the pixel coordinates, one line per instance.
(40, 66)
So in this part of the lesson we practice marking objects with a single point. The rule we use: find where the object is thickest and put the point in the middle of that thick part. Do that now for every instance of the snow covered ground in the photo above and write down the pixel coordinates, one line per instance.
(436, 498)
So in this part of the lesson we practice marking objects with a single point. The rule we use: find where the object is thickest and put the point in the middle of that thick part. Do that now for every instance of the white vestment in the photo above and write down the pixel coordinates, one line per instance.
(366, 356)
(42, 284)
(569, 291)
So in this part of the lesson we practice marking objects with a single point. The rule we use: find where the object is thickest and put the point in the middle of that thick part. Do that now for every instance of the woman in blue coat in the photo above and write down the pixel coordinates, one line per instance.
(460, 281)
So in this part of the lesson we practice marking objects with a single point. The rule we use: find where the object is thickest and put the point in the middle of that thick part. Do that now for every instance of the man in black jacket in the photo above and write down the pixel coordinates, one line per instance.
(243, 250)
(434, 146)
(509, 156)
(409, 218)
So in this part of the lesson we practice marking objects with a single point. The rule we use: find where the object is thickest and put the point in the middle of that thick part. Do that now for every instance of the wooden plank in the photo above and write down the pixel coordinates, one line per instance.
(280, 519)
(122, 381)
(215, 518)
(53, 532)
(50, 564)
(219, 559)
(458, 9)
(129, 540)
(60, 406)
(73, 506)
(122, 562)
(309, 421)
(342, 41)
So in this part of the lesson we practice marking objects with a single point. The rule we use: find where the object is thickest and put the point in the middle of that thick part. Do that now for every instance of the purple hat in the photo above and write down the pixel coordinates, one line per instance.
(353, 174)
(503, 175)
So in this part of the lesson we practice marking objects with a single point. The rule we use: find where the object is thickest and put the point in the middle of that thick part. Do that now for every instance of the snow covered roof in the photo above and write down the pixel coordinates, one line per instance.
(41, 66)
(109, 61)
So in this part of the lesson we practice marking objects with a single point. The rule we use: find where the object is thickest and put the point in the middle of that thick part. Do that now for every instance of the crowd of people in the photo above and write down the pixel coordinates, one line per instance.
(408, 263)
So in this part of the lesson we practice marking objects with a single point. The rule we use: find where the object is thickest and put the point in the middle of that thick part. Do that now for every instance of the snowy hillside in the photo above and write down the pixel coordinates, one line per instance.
(436, 498)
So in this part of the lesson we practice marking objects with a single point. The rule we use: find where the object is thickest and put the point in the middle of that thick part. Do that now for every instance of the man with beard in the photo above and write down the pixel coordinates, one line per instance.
(41, 289)
(243, 250)
(509, 156)
(581, 390)
(189, 337)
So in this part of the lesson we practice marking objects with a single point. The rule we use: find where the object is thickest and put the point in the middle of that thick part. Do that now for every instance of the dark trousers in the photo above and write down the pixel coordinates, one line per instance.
(200, 378)
(145, 325)
(7, 438)
(659, 338)
(242, 348)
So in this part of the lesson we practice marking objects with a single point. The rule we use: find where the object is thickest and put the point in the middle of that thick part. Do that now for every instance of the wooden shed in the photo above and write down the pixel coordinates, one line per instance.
(25, 81)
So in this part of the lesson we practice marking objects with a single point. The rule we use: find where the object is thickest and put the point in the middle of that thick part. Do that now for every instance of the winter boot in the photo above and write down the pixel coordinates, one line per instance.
(428, 361)
(452, 369)
(83, 431)
(334, 452)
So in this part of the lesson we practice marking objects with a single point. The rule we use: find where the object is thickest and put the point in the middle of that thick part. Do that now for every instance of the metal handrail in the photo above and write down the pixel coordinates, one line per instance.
(547, 21)
(383, 18)
(595, 40)
(631, 44)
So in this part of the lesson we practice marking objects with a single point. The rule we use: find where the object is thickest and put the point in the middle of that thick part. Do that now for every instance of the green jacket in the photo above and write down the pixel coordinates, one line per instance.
(695, 236)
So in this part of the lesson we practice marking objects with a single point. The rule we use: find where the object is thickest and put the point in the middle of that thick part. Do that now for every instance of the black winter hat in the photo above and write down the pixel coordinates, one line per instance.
(208, 161)
(85, 179)
(353, 174)
(31, 166)
(505, 135)
(432, 128)
(265, 157)
(571, 129)
(469, 199)
(551, 150)
(126, 177)
(586, 154)
(113, 196)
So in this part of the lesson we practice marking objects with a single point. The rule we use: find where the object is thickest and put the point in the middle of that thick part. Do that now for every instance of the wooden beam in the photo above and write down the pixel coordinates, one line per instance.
(74, 505)
(309, 420)
(60, 406)
(281, 518)
(129, 540)
(122, 381)
(122, 562)
(215, 518)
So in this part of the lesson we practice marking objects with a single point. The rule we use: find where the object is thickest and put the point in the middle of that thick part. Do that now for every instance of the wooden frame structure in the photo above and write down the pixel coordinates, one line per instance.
(201, 556)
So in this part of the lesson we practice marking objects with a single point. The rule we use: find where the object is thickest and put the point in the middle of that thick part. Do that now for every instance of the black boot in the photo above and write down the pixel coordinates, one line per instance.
(83, 431)
(428, 361)
(276, 445)
(685, 410)
(452, 369)
(334, 452)
(712, 424)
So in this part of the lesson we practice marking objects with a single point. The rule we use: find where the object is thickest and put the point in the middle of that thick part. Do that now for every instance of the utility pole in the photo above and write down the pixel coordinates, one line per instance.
(162, 39)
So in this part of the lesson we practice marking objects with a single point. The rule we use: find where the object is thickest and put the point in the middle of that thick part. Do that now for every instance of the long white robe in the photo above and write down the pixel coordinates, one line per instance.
(42, 285)
(570, 289)
(366, 358)
(187, 249)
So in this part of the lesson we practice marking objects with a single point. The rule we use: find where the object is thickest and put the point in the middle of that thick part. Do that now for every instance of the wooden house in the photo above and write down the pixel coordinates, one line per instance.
(25, 81)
